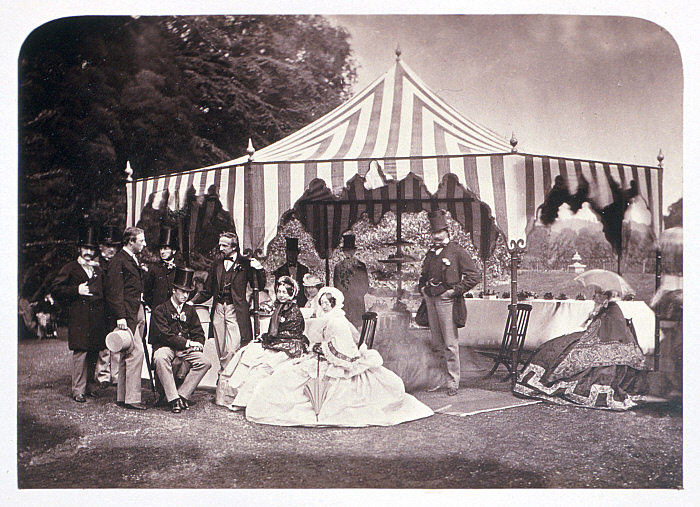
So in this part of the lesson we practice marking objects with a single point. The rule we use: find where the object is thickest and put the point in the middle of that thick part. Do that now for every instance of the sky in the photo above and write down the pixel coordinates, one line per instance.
(598, 88)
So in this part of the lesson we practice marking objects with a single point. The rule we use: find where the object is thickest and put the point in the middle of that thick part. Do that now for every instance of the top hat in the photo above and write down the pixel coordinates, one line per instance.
(88, 236)
(438, 220)
(168, 237)
(292, 244)
(109, 235)
(349, 242)
(184, 279)
(119, 340)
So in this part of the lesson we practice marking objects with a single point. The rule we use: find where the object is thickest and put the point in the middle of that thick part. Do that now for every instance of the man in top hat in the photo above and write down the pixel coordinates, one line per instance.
(293, 268)
(79, 286)
(124, 295)
(227, 280)
(107, 368)
(448, 272)
(350, 276)
(176, 333)
(159, 278)
(109, 244)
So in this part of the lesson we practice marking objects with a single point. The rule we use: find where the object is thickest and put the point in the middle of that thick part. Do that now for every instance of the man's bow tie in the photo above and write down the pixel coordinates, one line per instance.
(169, 264)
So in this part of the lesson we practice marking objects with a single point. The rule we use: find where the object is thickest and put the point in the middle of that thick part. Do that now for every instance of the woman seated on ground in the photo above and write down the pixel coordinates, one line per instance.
(601, 366)
(339, 386)
(283, 341)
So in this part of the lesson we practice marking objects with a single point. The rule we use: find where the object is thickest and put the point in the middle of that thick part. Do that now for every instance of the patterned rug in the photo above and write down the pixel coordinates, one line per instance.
(470, 401)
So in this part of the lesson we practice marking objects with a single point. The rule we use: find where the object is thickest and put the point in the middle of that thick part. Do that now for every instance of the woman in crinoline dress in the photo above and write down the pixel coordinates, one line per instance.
(283, 342)
(600, 367)
(339, 386)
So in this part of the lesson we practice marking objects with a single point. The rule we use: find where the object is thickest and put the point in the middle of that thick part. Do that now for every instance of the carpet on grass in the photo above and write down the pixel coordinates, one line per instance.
(471, 401)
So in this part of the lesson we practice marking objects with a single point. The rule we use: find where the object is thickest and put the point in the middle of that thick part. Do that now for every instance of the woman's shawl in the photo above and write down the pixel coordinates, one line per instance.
(606, 341)
(286, 331)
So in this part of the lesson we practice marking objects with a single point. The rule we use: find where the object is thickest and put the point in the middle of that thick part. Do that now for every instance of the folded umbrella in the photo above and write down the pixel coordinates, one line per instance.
(317, 388)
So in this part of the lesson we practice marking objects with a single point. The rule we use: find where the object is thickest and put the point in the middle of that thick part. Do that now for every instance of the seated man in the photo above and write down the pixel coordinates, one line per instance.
(176, 333)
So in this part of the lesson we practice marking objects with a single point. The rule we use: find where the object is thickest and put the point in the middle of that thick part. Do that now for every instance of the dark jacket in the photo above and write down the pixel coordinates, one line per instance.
(452, 269)
(351, 278)
(86, 322)
(169, 330)
(124, 288)
(158, 284)
(104, 263)
(244, 275)
(301, 271)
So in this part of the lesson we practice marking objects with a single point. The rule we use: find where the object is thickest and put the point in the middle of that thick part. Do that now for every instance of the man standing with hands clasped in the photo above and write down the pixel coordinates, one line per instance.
(124, 295)
(177, 333)
(448, 272)
(226, 283)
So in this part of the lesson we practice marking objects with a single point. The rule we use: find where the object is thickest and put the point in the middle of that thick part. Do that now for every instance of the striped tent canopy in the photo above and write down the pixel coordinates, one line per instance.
(415, 141)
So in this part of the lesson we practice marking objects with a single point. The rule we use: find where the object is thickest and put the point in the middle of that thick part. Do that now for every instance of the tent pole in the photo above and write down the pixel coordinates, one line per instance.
(657, 320)
(328, 246)
(516, 250)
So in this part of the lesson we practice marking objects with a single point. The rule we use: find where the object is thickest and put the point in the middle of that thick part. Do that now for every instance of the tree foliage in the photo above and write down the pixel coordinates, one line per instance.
(166, 93)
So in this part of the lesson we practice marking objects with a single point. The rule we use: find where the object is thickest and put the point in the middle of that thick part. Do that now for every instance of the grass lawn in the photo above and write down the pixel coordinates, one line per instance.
(63, 444)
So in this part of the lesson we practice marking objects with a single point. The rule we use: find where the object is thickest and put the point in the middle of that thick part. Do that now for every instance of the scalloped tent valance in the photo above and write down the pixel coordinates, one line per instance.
(400, 125)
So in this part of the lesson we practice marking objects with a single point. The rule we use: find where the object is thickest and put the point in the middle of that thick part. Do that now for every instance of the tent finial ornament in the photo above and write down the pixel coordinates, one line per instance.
(660, 158)
(250, 150)
(513, 143)
(398, 53)
(129, 171)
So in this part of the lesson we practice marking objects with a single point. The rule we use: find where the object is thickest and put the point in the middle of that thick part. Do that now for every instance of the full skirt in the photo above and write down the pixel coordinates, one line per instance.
(247, 369)
(612, 386)
(311, 392)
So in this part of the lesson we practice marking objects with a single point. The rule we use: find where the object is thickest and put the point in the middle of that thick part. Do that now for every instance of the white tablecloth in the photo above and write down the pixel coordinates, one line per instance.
(486, 320)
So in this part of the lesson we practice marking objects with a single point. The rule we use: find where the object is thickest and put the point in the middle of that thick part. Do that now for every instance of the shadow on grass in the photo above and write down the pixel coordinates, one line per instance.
(185, 467)
(34, 436)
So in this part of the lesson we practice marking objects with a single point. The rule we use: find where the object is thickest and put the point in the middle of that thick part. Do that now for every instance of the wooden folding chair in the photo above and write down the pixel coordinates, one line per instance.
(504, 355)
(369, 326)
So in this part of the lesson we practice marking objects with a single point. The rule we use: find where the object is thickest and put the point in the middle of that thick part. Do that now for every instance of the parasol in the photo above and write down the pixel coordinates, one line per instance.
(317, 388)
(606, 281)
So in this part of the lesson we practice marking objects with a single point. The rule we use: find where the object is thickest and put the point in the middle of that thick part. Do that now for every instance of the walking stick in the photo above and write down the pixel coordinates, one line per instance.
(148, 359)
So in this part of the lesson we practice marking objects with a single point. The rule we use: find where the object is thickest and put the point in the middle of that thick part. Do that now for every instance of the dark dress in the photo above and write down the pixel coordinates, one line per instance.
(602, 367)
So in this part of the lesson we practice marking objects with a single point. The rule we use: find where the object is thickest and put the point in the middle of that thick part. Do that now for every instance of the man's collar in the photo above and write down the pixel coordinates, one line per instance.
(177, 308)
(130, 253)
